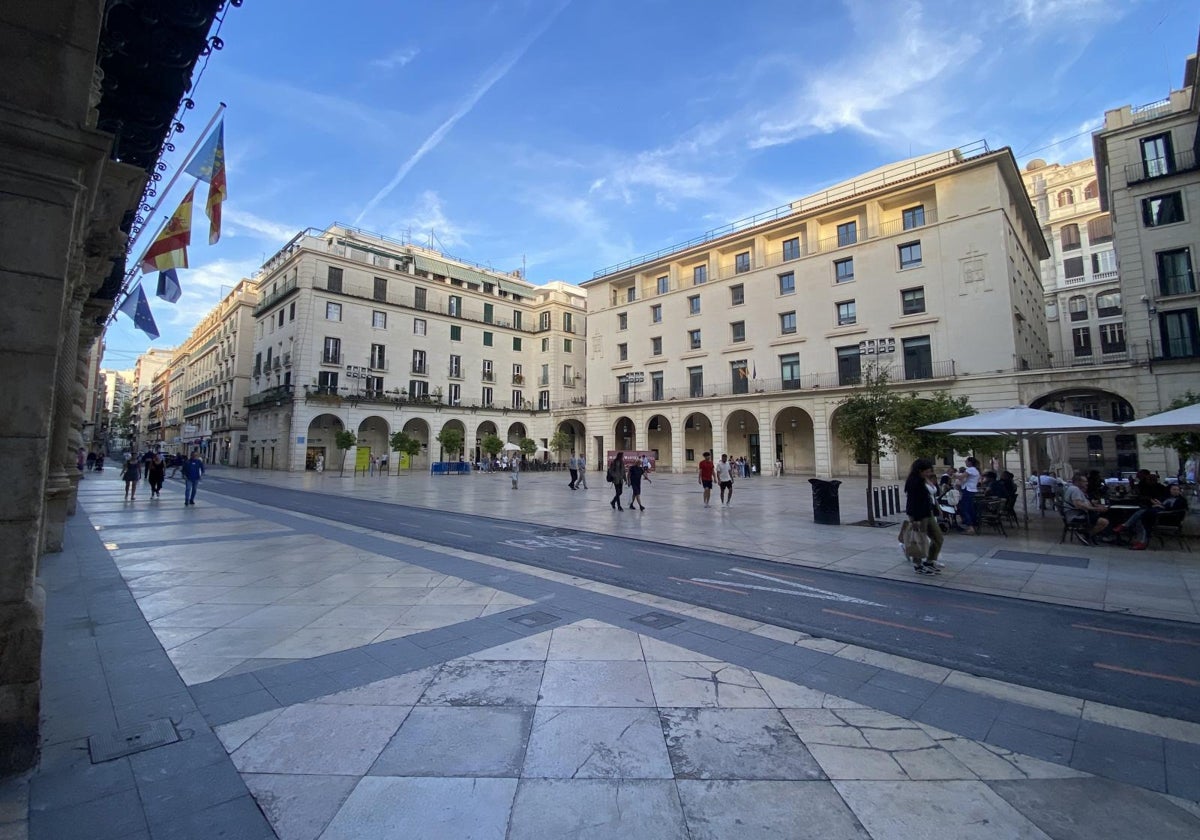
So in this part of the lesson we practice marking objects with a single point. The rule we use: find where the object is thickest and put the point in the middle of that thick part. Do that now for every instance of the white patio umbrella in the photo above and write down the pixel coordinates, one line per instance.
(510, 447)
(1021, 422)
(1176, 420)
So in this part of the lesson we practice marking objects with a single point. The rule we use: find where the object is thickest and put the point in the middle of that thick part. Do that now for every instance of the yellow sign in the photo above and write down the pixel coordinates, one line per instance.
(405, 460)
(362, 459)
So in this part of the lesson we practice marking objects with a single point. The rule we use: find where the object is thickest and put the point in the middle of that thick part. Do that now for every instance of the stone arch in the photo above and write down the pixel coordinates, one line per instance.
(742, 438)
(374, 432)
(462, 430)
(320, 441)
(1112, 453)
(418, 428)
(841, 457)
(516, 433)
(794, 445)
(659, 440)
(697, 438)
(625, 434)
(577, 432)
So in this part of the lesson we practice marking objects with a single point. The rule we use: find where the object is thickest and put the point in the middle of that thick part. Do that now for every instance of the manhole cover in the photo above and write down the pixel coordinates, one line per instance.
(535, 619)
(135, 739)
(657, 620)
(879, 523)
(1049, 559)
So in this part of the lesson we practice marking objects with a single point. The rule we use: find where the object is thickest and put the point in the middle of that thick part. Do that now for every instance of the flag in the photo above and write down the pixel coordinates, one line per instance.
(169, 249)
(209, 165)
(168, 285)
(755, 376)
(138, 308)
(742, 372)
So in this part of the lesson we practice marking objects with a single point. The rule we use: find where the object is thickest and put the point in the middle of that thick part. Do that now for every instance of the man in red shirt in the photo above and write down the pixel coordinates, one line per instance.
(707, 468)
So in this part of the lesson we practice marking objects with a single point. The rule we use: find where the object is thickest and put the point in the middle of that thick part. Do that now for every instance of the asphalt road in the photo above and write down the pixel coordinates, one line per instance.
(1138, 663)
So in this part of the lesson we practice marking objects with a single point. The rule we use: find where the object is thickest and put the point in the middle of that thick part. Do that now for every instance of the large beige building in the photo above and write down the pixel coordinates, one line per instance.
(359, 332)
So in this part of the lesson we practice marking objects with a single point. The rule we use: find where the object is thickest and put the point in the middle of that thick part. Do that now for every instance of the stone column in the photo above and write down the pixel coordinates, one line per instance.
(60, 490)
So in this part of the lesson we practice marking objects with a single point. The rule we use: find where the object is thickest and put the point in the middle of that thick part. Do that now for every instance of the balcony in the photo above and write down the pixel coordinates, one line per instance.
(420, 369)
(1150, 170)
(271, 396)
(270, 300)
(488, 376)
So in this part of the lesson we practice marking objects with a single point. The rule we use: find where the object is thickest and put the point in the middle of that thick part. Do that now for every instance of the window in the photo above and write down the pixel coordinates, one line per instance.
(914, 217)
(281, 317)
(663, 284)
(569, 376)
(789, 371)
(517, 319)
(846, 314)
(487, 373)
(657, 391)
(1073, 268)
(622, 352)
(1162, 209)
(656, 346)
(787, 283)
(1104, 262)
(373, 385)
(419, 362)
(1078, 307)
(622, 320)
(847, 233)
(699, 275)
(454, 369)
(1100, 230)
(332, 354)
(489, 312)
(518, 399)
(567, 345)
(1112, 338)
(1069, 236)
(1065, 198)
(455, 332)
(1157, 159)
(918, 362)
(568, 322)
(912, 301)
(1081, 340)
(378, 357)
(419, 298)
(1108, 304)
(741, 263)
(516, 343)
(258, 366)
(292, 311)
(1091, 191)
(656, 313)
(545, 345)
(910, 255)
(738, 328)
(543, 400)
(737, 294)
(696, 381)
(843, 270)
(488, 338)
(739, 377)
(486, 395)
(327, 382)
(418, 324)
(694, 305)
(418, 389)
(333, 279)
(787, 323)
(1180, 333)
(380, 289)
(333, 311)
(623, 389)
(791, 248)
(1175, 275)
(517, 376)
(693, 339)
(849, 361)
(631, 294)
(454, 394)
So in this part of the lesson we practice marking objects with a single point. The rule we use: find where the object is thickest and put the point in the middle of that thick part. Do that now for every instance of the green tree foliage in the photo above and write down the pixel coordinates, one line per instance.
(914, 411)
(451, 440)
(1185, 443)
(344, 440)
(491, 445)
(865, 419)
(560, 443)
(406, 444)
(528, 446)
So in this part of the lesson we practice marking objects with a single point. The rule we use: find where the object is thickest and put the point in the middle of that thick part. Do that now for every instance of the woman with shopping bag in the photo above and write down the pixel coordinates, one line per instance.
(921, 535)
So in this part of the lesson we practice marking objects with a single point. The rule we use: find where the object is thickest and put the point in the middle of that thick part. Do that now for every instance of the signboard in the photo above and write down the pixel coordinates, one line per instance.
(190, 430)
(634, 378)
(362, 459)
(876, 346)
(633, 456)
(405, 460)
(300, 439)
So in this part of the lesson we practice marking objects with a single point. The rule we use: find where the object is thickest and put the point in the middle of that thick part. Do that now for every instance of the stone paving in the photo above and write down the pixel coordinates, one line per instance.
(329, 681)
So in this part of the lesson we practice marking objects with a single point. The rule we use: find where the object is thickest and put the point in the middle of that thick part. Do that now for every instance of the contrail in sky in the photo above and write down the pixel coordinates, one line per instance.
(497, 72)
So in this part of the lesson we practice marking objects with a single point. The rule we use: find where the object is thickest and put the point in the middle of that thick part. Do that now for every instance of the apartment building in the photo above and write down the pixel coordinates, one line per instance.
(361, 332)
(148, 365)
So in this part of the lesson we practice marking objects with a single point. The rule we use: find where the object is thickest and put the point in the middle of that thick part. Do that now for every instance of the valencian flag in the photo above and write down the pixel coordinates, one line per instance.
(138, 308)
(209, 165)
(169, 249)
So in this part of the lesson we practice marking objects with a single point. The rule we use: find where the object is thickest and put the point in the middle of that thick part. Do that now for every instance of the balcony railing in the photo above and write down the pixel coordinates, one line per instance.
(1147, 170)
(421, 369)
(274, 298)
(278, 394)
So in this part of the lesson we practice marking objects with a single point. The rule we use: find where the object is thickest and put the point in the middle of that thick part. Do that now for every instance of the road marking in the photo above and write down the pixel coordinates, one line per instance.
(1150, 674)
(890, 624)
(601, 563)
(789, 577)
(1136, 635)
(568, 543)
(798, 589)
(457, 534)
(708, 585)
(932, 602)
(661, 554)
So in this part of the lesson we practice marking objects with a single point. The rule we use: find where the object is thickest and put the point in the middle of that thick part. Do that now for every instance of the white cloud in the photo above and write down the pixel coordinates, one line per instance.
(202, 290)
(264, 229)
(396, 59)
(427, 216)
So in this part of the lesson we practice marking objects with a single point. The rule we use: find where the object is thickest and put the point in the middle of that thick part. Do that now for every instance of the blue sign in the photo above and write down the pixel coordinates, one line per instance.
(300, 439)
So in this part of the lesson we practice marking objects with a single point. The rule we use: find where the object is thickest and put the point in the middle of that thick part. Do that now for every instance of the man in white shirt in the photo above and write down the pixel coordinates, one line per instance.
(1079, 506)
(724, 471)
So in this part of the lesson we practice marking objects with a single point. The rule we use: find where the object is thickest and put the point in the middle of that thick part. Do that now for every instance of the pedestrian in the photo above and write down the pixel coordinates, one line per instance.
(193, 471)
(99, 462)
(616, 477)
(637, 472)
(707, 470)
(921, 491)
(573, 467)
(91, 461)
(156, 473)
(582, 465)
(516, 471)
(319, 466)
(131, 472)
(778, 468)
(80, 459)
(724, 473)
(968, 486)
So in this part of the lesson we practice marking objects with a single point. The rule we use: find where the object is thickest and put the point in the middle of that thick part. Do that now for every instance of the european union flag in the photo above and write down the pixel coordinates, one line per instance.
(138, 308)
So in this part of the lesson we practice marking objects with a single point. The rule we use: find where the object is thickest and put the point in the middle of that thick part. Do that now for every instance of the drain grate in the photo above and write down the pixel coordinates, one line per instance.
(535, 619)
(1048, 559)
(135, 739)
(657, 620)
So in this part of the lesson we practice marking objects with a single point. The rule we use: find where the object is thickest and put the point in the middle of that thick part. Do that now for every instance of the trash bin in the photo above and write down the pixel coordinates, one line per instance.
(826, 510)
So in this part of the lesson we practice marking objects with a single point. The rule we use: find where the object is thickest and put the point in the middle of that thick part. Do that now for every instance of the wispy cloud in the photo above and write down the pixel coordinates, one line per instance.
(396, 59)
(243, 222)
(202, 290)
(428, 217)
(494, 74)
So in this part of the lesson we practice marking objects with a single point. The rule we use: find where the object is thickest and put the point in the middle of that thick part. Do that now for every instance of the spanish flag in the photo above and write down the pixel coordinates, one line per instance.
(209, 165)
(169, 249)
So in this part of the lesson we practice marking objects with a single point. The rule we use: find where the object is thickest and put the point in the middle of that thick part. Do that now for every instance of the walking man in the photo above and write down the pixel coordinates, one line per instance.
(581, 465)
(573, 466)
(707, 470)
(193, 470)
(724, 471)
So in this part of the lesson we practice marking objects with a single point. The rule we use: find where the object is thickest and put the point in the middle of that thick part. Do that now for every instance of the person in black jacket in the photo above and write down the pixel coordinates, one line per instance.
(920, 488)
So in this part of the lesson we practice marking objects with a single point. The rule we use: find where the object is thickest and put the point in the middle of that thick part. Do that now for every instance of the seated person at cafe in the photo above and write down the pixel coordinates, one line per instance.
(1150, 489)
(1003, 487)
(1145, 518)
(1096, 488)
(1078, 506)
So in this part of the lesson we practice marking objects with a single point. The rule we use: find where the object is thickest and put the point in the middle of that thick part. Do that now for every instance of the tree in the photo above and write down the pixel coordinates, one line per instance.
(491, 445)
(528, 446)
(344, 440)
(451, 440)
(864, 421)
(405, 444)
(560, 443)
(1185, 443)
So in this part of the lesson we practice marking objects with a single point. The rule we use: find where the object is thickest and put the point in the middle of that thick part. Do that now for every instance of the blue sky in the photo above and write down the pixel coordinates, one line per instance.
(568, 136)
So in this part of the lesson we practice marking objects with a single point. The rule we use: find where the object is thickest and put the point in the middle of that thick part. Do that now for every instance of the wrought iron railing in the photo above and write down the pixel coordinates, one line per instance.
(1147, 170)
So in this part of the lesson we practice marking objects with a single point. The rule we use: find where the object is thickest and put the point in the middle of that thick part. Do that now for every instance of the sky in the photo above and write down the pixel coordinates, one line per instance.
(564, 136)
